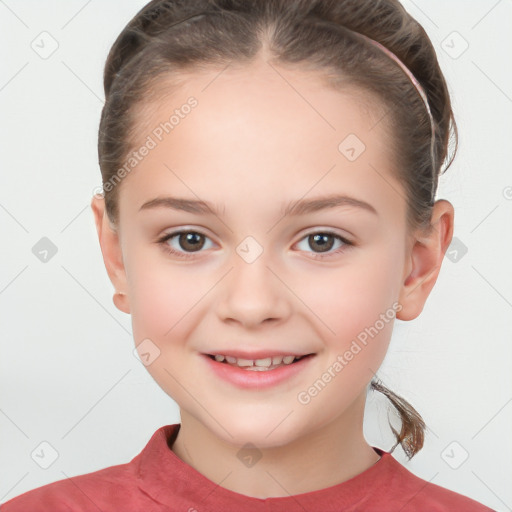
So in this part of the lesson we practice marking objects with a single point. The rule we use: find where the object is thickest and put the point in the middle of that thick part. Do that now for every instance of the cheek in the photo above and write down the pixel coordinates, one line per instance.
(162, 298)
(164, 305)
(356, 315)
(355, 302)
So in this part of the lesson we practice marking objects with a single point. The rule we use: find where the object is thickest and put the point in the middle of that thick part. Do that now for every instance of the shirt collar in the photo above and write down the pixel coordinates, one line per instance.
(168, 479)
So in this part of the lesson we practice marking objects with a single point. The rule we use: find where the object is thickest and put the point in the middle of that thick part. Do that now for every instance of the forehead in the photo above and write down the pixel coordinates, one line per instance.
(264, 98)
(263, 131)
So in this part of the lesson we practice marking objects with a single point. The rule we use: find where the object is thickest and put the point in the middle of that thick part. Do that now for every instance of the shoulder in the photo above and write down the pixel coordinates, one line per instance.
(413, 493)
(119, 487)
(88, 492)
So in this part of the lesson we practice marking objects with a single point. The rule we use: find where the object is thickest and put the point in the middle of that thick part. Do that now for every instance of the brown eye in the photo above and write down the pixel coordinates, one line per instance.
(322, 242)
(185, 245)
(190, 241)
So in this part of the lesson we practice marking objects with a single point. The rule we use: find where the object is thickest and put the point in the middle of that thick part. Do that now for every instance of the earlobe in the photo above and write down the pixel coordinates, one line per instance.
(112, 254)
(424, 260)
(120, 301)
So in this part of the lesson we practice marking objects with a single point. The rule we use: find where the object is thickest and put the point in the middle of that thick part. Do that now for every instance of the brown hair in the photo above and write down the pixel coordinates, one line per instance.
(167, 39)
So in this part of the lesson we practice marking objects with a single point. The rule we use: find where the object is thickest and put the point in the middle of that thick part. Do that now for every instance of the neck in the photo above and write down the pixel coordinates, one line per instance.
(325, 456)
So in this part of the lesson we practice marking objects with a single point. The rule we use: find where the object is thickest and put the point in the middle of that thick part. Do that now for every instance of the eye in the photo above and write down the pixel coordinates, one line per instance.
(189, 242)
(186, 239)
(324, 240)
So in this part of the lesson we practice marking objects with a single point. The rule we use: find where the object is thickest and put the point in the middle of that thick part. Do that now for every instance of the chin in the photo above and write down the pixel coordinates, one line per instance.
(264, 432)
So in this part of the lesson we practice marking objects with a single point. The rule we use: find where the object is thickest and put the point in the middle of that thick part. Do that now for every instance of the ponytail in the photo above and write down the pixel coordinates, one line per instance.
(411, 435)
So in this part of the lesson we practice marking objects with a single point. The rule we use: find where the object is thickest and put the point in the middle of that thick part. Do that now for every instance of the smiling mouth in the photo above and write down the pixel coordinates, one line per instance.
(268, 363)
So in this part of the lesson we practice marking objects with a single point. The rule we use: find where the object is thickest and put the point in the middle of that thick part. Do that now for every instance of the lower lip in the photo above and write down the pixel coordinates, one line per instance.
(251, 379)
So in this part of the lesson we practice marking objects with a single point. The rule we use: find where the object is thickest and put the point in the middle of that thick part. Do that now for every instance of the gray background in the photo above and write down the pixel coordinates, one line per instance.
(68, 373)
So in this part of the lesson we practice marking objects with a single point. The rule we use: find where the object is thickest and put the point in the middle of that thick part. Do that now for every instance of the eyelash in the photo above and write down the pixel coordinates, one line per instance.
(319, 256)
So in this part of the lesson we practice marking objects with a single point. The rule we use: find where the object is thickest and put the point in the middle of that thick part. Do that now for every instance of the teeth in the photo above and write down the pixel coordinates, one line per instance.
(259, 363)
(264, 362)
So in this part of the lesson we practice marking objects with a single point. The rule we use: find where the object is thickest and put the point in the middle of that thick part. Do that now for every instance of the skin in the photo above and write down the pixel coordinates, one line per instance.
(254, 143)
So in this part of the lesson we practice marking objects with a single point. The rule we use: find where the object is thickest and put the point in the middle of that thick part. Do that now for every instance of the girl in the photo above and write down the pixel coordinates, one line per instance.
(269, 173)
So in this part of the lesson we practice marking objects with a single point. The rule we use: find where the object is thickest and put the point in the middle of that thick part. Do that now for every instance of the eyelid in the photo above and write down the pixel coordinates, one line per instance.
(327, 230)
(186, 229)
(171, 233)
(315, 229)
(347, 243)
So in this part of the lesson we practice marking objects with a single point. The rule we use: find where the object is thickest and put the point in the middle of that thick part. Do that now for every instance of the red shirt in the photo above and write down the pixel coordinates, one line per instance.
(157, 480)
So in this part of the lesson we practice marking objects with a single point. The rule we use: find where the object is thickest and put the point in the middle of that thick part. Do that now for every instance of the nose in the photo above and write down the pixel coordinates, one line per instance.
(253, 293)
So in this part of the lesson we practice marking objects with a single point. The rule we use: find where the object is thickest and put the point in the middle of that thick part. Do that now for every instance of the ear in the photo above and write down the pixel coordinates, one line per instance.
(424, 258)
(112, 254)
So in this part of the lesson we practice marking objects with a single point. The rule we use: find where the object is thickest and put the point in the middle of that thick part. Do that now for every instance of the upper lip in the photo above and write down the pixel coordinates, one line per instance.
(256, 354)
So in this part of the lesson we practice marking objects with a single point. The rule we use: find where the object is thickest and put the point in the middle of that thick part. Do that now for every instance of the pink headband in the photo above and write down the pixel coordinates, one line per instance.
(421, 92)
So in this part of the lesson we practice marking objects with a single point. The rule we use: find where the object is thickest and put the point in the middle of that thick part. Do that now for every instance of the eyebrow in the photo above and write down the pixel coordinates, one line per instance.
(295, 208)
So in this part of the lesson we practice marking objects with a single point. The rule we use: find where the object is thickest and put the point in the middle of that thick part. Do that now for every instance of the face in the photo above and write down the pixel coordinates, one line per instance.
(250, 278)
